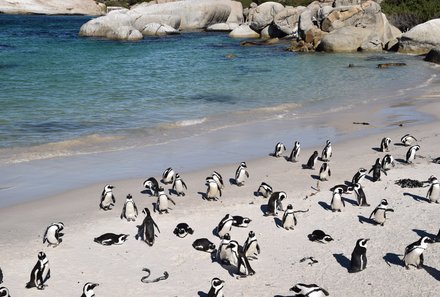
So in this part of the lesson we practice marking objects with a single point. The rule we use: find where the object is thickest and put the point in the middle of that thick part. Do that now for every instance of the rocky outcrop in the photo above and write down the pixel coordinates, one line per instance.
(155, 29)
(52, 7)
(263, 15)
(433, 55)
(287, 19)
(421, 39)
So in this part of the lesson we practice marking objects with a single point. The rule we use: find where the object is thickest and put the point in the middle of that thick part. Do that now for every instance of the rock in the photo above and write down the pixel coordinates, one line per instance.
(387, 65)
(271, 31)
(346, 39)
(287, 19)
(52, 7)
(300, 46)
(339, 3)
(222, 27)
(156, 29)
(339, 18)
(244, 31)
(236, 16)
(263, 15)
(422, 38)
(433, 55)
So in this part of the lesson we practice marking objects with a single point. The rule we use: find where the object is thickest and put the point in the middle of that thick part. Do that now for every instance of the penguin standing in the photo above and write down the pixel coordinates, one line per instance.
(213, 192)
(4, 292)
(327, 152)
(377, 169)
(107, 198)
(168, 176)
(312, 161)
(279, 149)
(388, 162)
(380, 212)
(225, 225)
(162, 201)
(311, 290)
(360, 195)
(216, 288)
(408, 140)
(53, 234)
(146, 230)
(224, 254)
(179, 185)
(295, 152)
(385, 144)
(359, 176)
(217, 177)
(151, 185)
(40, 273)
(359, 256)
(243, 266)
(434, 190)
(129, 211)
(414, 252)
(289, 219)
(111, 239)
(411, 153)
(264, 190)
(88, 290)
(337, 202)
(251, 248)
(275, 203)
(240, 174)
(324, 172)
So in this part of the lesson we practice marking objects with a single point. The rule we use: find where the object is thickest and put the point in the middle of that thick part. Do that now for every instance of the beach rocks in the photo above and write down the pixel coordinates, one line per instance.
(225, 27)
(422, 38)
(65, 7)
(244, 31)
(433, 55)
(263, 15)
(287, 19)
(155, 29)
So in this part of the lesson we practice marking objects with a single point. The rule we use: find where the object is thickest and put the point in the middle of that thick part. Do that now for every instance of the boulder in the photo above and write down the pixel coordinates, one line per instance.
(263, 15)
(305, 23)
(271, 31)
(346, 39)
(244, 31)
(156, 29)
(422, 38)
(236, 16)
(433, 55)
(141, 20)
(52, 7)
(222, 27)
(287, 19)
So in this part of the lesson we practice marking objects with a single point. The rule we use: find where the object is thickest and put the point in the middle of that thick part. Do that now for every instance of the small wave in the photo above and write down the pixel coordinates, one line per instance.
(185, 123)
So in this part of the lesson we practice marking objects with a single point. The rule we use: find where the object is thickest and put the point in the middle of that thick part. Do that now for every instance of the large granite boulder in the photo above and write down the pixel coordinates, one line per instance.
(287, 19)
(244, 31)
(433, 55)
(52, 7)
(262, 16)
(422, 38)
(346, 39)
(222, 27)
(156, 29)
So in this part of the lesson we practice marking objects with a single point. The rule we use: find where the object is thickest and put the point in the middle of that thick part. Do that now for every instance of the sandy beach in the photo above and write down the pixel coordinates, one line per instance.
(118, 269)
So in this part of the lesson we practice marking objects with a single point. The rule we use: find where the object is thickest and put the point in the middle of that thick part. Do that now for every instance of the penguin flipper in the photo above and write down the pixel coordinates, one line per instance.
(184, 185)
(154, 223)
(247, 174)
(123, 211)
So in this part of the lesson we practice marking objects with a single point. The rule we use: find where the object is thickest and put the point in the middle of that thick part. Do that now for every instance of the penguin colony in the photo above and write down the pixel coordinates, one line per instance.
(229, 253)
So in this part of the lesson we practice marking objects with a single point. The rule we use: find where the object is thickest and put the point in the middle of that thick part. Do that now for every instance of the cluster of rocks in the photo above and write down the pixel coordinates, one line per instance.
(53, 7)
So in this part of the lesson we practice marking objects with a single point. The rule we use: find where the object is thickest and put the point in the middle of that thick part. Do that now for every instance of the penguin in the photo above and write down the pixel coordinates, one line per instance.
(240, 174)
(345, 189)
(434, 190)
(4, 292)
(279, 149)
(359, 256)
(414, 252)
(107, 198)
(408, 140)
(437, 238)
(289, 219)
(327, 152)
(179, 185)
(312, 161)
(88, 290)
(387, 162)
(168, 176)
(224, 254)
(204, 245)
(320, 236)
(385, 144)
(129, 211)
(295, 152)
(111, 239)
(162, 201)
(53, 234)
(360, 195)
(243, 266)
(251, 248)
(40, 273)
(324, 172)
(225, 225)
(275, 203)
(182, 230)
(216, 288)
(146, 230)
(264, 190)
(359, 176)
(411, 153)
(217, 177)
(240, 221)
(380, 212)
(311, 290)
(213, 192)
(1, 276)
(337, 202)
(377, 169)
(151, 185)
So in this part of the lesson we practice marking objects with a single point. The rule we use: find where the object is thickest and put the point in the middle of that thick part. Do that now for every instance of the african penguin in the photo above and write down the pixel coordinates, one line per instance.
(411, 153)
(289, 219)
(434, 190)
(107, 198)
(279, 149)
(377, 169)
(168, 176)
(408, 140)
(224, 254)
(1, 276)
(312, 161)
(327, 152)
(179, 185)
(53, 234)
(217, 177)
(359, 176)
(240, 174)
(111, 239)
(359, 256)
(360, 195)
(151, 185)
(146, 230)
(4, 292)
(251, 248)
(388, 162)
(385, 144)
(162, 201)
(319, 236)
(311, 290)
(216, 289)
(437, 238)
(243, 266)
(295, 152)
(337, 202)
(204, 245)
(380, 212)
(182, 230)
(129, 210)
(213, 192)
(275, 203)
(225, 225)
(324, 172)
(240, 221)
(40, 273)
(414, 252)
(264, 190)
(88, 290)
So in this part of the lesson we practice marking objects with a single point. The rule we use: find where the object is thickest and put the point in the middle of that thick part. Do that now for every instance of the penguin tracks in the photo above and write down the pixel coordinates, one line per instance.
(160, 278)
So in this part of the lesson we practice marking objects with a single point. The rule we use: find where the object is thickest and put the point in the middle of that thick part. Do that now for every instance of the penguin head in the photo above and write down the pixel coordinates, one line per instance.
(384, 202)
(362, 242)
(233, 245)
(123, 237)
(251, 234)
(89, 287)
(357, 186)
(246, 221)
(432, 179)
(297, 288)
(378, 161)
(425, 240)
(289, 207)
(338, 190)
(315, 153)
(227, 236)
(177, 175)
(282, 196)
(4, 292)
(129, 197)
(108, 187)
(217, 283)
(243, 164)
(146, 211)
(362, 170)
(327, 238)
(416, 147)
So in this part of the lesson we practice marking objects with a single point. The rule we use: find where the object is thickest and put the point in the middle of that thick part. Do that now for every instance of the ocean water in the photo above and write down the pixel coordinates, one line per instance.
(63, 96)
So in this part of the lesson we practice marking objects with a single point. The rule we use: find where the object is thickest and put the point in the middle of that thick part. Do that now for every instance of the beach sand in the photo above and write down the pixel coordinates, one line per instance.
(118, 269)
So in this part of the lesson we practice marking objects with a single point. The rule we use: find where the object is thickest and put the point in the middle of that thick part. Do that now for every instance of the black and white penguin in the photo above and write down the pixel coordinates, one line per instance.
(1, 276)
(243, 266)
(179, 185)
(319, 236)
(359, 256)
(251, 248)
(275, 203)
(437, 238)
(213, 192)
(107, 198)
(337, 203)
(345, 189)
(168, 176)
(129, 211)
(88, 290)
(312, 161)
(279, 149)
(217, 177)
(414, 252)
(4, 292)
(264, 190)
(111, 239)
(225, 225)
(146, 230)
(53, 234)
(327, 152)
(359, 176)
(380, 212)
(377, 169)
(295, 152)
(40, 273)
(310, 290)
(411, 153)
(360, 195)
(388, 162)
(152, 185)
(182, 230)
(240, 221)
(216, 289)
(224, 254)
(408, 140)
(162, 201)
(324, 172)
(289, 219)
(385, 144)
(240, 174)
(433, 194)
(204, 245)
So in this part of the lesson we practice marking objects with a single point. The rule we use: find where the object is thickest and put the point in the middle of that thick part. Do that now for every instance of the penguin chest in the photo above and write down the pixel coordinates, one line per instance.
(225, 228)
(379, 216)
(223, 253)
(251, 249)
(240, 176)
(289, 221)
(337, 203)
(435, 193)
(179, 187)
(44, 272)
(51, 235)
(130, 212)
(212, 191)
(413, 257)
(107, 199)
(163, 202)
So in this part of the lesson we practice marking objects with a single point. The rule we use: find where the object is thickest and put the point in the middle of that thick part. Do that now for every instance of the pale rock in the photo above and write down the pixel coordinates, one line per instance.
(346, 39)
(156, 29)
(52, 7)
(287, 19)
(422, 38)
(222, 27)
(264, 15)
(244, 31)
